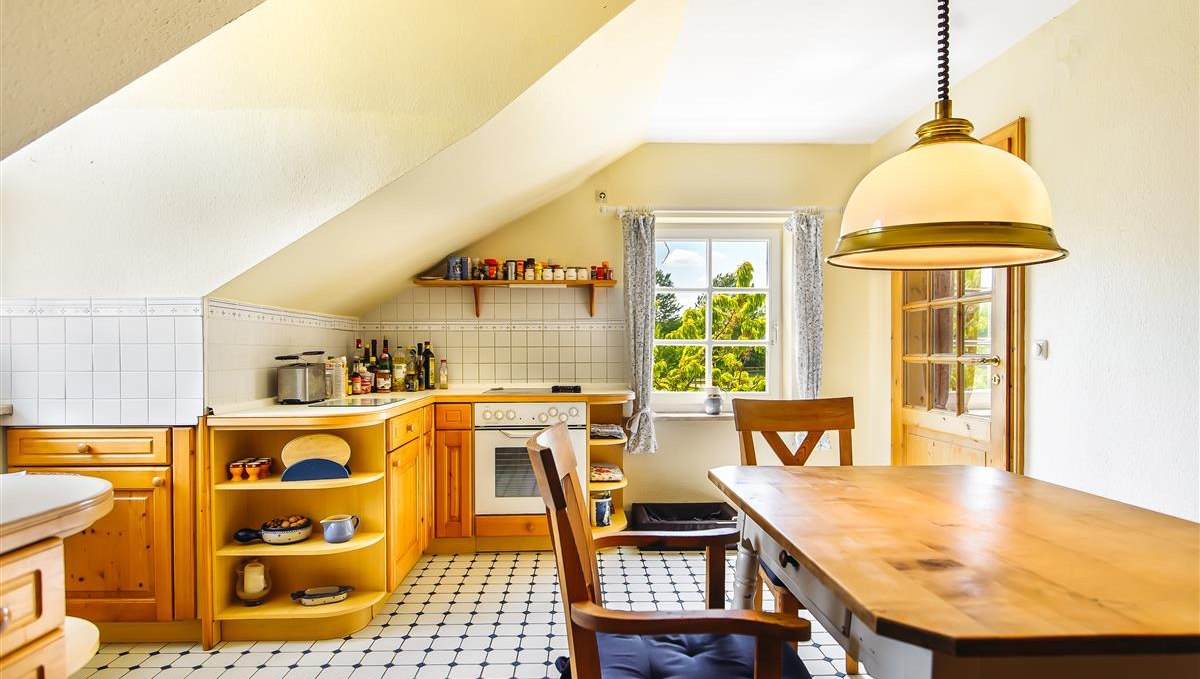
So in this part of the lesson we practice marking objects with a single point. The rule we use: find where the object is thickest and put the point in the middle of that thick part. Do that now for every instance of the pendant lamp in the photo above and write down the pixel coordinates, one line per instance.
(949, 201)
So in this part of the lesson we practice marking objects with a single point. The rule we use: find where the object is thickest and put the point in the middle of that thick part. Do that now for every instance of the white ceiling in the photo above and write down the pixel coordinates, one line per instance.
(822, 70)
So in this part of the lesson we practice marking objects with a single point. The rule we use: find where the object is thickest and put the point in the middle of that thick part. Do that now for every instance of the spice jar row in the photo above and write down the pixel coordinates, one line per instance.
(462, 268)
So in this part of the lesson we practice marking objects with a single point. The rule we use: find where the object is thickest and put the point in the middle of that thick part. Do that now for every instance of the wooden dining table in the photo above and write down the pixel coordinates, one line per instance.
(955, 571)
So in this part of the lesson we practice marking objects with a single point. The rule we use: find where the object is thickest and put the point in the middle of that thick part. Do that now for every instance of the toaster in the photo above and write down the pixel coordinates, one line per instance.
(302, 381)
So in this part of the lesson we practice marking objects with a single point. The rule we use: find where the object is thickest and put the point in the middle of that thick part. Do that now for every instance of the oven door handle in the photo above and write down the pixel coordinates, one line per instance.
(517, 433)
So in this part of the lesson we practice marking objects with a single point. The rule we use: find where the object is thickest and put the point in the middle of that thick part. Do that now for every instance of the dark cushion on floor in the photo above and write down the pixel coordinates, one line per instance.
(771, 575)
(685, 656)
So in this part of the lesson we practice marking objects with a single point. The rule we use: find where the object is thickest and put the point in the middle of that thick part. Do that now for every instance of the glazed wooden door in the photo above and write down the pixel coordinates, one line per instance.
(453, 503)
(404, 507)
(119, 569)
(957, 359)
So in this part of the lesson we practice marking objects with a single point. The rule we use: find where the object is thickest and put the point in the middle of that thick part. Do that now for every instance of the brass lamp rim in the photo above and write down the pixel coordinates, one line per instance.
(932, 235)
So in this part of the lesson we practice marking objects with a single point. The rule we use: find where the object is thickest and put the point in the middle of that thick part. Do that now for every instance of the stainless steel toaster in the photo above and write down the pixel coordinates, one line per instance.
(302, 381)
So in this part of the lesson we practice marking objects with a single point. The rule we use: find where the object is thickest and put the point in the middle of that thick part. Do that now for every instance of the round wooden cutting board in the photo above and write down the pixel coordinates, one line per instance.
(324, 446)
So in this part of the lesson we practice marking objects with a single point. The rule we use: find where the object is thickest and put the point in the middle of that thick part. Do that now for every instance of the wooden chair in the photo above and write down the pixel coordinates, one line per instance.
(640, 644)
(815, 417)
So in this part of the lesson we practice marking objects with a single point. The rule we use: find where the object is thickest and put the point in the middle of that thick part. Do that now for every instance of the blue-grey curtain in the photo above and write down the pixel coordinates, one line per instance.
(638, 230)
(807, 299)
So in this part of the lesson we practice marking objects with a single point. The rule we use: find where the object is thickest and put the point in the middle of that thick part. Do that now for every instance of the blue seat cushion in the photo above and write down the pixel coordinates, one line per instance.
(683, 656)
(771, 574)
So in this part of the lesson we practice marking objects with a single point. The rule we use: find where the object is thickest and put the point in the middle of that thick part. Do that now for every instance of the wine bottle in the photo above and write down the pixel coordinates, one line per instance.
(383, 372)
(421, 381)
(430, 366)
(410, 379)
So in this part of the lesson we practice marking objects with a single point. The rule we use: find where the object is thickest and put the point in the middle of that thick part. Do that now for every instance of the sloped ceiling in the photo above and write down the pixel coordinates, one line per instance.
(590, 109)
(261, 132)
(61, 56)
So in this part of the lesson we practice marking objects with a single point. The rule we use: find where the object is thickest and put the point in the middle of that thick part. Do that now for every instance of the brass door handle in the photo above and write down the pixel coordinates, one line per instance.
(980, 360)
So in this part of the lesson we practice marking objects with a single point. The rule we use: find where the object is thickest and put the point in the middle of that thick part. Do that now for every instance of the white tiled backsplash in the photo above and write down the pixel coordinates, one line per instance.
(102, 361)
(243, 340)
(523, 334)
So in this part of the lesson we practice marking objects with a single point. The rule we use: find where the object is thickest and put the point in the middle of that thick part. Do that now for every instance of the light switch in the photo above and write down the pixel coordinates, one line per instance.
(1041, 349)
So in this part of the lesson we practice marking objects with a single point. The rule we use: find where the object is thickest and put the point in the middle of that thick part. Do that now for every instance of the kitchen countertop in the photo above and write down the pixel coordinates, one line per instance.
(267, 410)
(37, 506)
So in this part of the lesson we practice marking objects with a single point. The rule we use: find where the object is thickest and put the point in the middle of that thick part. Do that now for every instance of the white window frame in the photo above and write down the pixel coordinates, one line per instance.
(670, 401)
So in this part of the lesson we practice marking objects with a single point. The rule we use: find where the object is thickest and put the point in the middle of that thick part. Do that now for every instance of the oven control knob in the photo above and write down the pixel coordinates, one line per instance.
(512, 415)
(552, 412)
(543, 417)
(573, 412)
(562, 417)
(487, 414)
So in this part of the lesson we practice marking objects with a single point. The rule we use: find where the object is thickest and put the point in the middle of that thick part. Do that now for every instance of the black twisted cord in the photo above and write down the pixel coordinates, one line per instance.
(943, 49)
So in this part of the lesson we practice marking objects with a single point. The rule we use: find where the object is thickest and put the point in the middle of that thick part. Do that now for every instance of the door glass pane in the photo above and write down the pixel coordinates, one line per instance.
(916, 337)
(514, 473)
(740, 316)
(977, 389)
(977, 281)
(945, 330)
(740, 368)
(943, 284)
(681, 263)
(916, 391)
(678, 368)
(945, 387)
(679, 315)
(739, 263)
(977, 328)
(916, 286)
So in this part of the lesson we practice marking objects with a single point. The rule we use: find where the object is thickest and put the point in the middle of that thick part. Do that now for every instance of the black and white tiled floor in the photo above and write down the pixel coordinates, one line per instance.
(470, 616)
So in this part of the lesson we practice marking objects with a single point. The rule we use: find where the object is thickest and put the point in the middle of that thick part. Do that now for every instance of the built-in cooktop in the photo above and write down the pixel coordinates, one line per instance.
(556, 389)
(359, 402)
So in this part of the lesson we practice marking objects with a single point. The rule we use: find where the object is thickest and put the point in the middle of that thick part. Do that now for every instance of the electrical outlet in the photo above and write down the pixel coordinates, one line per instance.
(601, 196)
(1041, 349)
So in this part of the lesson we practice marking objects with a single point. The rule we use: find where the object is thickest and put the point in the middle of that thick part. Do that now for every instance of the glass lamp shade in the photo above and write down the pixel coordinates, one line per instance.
(951, 204)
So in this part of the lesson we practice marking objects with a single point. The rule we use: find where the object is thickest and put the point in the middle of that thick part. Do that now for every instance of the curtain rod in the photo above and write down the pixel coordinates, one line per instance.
(758, 212)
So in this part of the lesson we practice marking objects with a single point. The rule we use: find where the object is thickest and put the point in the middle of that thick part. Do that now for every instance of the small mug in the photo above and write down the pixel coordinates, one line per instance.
(339, 527)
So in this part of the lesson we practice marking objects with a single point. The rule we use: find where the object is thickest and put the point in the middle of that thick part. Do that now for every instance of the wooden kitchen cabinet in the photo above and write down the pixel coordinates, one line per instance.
(404, 509)
(453, 499)
(119, 569)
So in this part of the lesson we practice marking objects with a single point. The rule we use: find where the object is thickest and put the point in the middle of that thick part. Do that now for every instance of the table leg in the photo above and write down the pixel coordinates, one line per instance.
(745, 576)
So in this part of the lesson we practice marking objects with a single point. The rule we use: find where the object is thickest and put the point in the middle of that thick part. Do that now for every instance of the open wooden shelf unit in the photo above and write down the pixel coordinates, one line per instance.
(476, 286)
(313, 562)
(611, 451)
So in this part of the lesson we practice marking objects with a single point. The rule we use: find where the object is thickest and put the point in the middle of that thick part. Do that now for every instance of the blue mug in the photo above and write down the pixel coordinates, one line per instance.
(339, 527)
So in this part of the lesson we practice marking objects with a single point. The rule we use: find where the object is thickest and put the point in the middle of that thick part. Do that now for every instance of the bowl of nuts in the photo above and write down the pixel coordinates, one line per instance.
(284, 531)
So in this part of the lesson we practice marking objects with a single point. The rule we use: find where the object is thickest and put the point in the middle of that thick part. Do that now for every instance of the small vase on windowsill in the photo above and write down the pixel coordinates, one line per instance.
(712, 401)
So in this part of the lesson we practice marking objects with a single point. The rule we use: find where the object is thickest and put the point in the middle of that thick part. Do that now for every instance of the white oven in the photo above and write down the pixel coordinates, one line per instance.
(504, 480)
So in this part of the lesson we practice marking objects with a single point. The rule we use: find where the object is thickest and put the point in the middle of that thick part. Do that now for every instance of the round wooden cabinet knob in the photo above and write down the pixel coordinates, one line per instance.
(5, 617)
(83, 448)
(157, 481)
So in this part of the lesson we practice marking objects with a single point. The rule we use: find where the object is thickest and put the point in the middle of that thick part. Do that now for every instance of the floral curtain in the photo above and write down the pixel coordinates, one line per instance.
(807, 300)
(638, 229)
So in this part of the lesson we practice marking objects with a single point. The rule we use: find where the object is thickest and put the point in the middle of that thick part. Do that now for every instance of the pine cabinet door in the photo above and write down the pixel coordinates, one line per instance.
(404, 500)
(119, 569)
(453, 495)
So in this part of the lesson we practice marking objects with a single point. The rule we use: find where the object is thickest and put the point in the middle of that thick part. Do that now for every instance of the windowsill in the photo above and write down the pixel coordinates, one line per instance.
(691, 417)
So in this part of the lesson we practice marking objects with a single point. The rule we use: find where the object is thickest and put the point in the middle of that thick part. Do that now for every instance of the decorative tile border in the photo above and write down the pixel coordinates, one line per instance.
(101, 306)
(534, 325)
(240, 311)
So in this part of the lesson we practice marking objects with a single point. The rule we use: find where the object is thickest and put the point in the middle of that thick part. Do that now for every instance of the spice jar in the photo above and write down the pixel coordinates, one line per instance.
(491, 267)
(570, 273)
(510, 269)
(520, 269)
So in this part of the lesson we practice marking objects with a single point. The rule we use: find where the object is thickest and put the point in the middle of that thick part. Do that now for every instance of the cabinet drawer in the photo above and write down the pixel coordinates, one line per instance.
(45, 658)
(32, 601)
(88, 447)
(452, 416)
(403, 428)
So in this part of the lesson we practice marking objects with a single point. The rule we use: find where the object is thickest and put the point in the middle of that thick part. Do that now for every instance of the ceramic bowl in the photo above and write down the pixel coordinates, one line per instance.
(274, 534)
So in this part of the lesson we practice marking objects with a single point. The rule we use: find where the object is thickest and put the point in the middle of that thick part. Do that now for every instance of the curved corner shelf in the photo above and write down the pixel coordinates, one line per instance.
(83, 641)
(273, 483)
(599, 486)
(607, 442)
(619, 523)
(313, 546)
(281, 607)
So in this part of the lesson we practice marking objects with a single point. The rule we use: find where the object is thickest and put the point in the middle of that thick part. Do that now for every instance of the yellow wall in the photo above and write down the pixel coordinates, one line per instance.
(1109, 89)
(697, 176)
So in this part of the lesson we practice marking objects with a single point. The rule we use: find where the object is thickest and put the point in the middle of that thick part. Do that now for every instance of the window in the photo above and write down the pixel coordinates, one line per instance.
(715, 312)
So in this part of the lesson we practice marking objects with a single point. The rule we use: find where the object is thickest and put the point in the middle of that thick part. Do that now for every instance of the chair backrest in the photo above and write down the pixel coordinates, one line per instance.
(571, 535)
(812, 416)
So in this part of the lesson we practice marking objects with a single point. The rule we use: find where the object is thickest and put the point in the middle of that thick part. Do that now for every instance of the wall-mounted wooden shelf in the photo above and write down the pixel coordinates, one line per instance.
(476, 286)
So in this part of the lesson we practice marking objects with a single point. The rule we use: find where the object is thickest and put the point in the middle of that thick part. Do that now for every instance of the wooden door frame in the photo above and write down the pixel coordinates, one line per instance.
(1011, 138)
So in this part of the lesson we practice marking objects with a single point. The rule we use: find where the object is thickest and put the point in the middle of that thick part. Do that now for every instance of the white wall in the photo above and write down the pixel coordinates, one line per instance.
(1109, 90)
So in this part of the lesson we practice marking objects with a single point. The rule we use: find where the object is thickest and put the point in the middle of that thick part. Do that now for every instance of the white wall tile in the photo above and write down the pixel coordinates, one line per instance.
(106, 411)
(24, 357)
(106, 357)
(160, 411)
(79, 386)
(189, 330)
(52, 356)
(160, 356)
(106, 330)
(79, 356)
(160, 330)
(133, 329)
(52, 411)
(105, 385)
(189, 384)
(24, 412)
(134, 384)
(187, 410)
(79, 411)
(133, 356)
(189, 356)
(24, 385)
(24, 330)
(161, 384)
(52, 330)
(134, 411)
(79, 331)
